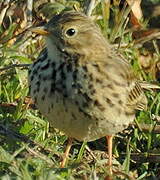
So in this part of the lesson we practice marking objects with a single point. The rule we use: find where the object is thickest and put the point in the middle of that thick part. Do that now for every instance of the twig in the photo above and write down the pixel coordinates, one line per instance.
(13, 66)
(91, 153)
(141, 41)
(3, 12)
(149, 128)
(146, 85)
(143, 158)
(28, 102)
(13, 104)
(29, 12)
(40, 155)
(14, 135)
(90, 7)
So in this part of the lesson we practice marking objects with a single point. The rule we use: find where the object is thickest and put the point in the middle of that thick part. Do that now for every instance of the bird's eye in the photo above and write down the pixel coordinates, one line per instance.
(71, 32)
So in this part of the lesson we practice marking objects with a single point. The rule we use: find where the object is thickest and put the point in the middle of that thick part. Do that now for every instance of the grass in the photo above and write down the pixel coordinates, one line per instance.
(29, 149)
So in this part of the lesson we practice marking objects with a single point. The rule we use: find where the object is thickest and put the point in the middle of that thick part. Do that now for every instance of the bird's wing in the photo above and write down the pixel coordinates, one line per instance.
(136, 97)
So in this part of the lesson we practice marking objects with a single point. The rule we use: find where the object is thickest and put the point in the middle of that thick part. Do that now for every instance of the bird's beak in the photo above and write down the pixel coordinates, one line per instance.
(40, 30)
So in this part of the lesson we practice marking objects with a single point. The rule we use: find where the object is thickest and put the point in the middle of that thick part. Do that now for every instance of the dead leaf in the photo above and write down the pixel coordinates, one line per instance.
(134, 21)
(136, 8)
(144, 33)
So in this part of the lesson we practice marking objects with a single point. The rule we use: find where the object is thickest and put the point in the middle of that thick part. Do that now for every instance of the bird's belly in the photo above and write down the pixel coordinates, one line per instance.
(66, 116)
(77, 105)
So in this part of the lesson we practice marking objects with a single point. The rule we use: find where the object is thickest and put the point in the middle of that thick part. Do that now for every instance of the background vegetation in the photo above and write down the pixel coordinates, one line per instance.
(28, 148)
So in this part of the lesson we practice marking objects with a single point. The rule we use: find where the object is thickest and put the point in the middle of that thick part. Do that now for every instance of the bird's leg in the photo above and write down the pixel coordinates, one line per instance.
(65, 156)
(109, 142)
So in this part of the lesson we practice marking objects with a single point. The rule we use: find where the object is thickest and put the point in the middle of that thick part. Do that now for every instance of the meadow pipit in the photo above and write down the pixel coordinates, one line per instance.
(80, 84)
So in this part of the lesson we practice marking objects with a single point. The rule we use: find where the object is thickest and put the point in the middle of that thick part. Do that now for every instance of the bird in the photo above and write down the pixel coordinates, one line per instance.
(81, 84)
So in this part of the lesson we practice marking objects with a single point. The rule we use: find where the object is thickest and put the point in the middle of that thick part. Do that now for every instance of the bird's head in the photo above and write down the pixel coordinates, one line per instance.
(73, 32)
